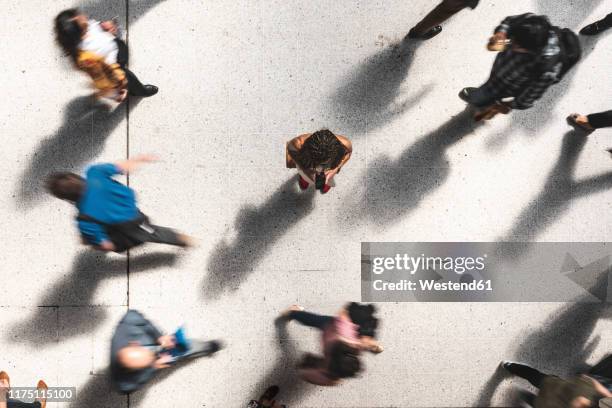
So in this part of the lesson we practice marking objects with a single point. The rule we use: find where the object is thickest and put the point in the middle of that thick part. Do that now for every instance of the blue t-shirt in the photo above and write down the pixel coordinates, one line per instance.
(106, 200)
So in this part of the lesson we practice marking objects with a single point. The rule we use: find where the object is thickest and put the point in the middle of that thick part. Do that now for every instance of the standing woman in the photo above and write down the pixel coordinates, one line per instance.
(95, 49)
(318, 156)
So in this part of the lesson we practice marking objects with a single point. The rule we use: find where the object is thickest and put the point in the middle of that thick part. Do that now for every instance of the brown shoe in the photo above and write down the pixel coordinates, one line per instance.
(5, 376)
(42, 386)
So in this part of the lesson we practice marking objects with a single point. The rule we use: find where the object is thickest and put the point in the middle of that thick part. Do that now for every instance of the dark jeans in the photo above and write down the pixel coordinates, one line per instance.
(600, 120)
(440, 14)
(311, 319)
(135, 87)
(530, 374)
(18, 404)
(606, 22)
(198, 348)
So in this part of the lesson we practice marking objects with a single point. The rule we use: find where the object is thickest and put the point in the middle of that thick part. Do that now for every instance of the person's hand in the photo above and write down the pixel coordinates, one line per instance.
(329, 175)
(498, 42)
(106, 246)
(109, 26)
(167, 341)
(163, 361)
(121, 95)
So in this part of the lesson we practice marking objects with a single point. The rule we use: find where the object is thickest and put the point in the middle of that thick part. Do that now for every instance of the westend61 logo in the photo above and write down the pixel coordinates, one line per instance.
(412, 264)
(481, 271)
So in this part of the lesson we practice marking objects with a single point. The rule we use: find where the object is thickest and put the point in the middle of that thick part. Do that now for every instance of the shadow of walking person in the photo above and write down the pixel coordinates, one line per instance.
(80, 138)
(563, 345)
(257, 229)
(556, 196)
(77, 288)
(284, 373)
(371, 96)
(536, 118)
(396, 187)
(98, 391)
(99, 8)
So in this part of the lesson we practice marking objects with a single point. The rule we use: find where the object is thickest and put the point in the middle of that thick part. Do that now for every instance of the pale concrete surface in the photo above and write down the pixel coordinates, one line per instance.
(238, 79)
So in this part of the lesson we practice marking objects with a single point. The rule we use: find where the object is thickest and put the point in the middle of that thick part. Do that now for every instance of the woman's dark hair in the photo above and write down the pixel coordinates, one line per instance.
(68, 32)
(322, 147)
(531, 33)
(344, 361)
(363, 316)
(66, 186)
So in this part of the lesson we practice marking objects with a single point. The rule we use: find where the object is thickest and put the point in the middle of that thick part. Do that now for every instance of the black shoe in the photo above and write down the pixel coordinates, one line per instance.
(215, 345)
(428, 35)
(593, 29)
(466, 94)
(150, 90)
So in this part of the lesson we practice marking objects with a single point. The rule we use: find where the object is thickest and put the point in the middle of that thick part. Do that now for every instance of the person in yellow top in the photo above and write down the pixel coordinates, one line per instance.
(318, 157)
(95, 48)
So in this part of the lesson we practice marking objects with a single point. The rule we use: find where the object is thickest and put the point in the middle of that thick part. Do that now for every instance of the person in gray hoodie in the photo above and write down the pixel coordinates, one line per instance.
(139, 350)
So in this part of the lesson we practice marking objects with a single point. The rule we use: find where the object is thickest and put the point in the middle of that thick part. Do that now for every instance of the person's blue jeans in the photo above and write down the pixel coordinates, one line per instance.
(18, 404)
(311, 319)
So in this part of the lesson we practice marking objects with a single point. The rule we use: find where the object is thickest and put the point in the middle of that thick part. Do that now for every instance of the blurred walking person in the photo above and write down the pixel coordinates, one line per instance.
(318, 157)
(108, 218)
(342, 341)
(95, 48)
(5, 394)
(139, 350)
(598, 27)
(533, 55)
(583, 391)
(430, 26)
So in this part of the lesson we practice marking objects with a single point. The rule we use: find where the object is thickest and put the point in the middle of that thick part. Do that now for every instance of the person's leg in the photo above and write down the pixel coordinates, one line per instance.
(598, 26)
(200, 348)
(310, 319)
(600, 120)
(122, 54)
(438, 15)
(135, 87)
(530, 374)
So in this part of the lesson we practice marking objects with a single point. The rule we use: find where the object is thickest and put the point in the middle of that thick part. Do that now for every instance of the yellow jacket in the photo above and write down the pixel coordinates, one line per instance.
(107, 78)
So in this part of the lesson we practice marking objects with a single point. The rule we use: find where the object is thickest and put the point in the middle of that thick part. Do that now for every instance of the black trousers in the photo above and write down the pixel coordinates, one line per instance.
(530, 374)
(441, 13)
(602, 119)
(135, 87)
(606, 21)
(134, 233)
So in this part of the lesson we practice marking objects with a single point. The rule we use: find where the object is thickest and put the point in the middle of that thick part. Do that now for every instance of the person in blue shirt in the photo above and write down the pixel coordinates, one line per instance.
(108, 218)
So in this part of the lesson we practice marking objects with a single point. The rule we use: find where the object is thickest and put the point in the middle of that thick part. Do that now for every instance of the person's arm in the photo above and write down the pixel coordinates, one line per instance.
(293, 147)
(4, 388)
(533, 92)
(126, 166)
(600, 388)
(348, 146)
(94, 234)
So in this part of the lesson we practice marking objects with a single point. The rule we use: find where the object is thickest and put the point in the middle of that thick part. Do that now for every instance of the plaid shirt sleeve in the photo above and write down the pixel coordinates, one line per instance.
(536, 89)
(509, 75)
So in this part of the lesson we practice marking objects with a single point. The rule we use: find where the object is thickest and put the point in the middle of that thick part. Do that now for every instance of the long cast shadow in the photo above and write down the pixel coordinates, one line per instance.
(98, 391)
(538, 117)
(557, 195)
(562, 346)
(78, 287)
(284, 373)
(370, 97)
(397, 187)
(100, 8)
(80, 138)
(257, 229)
